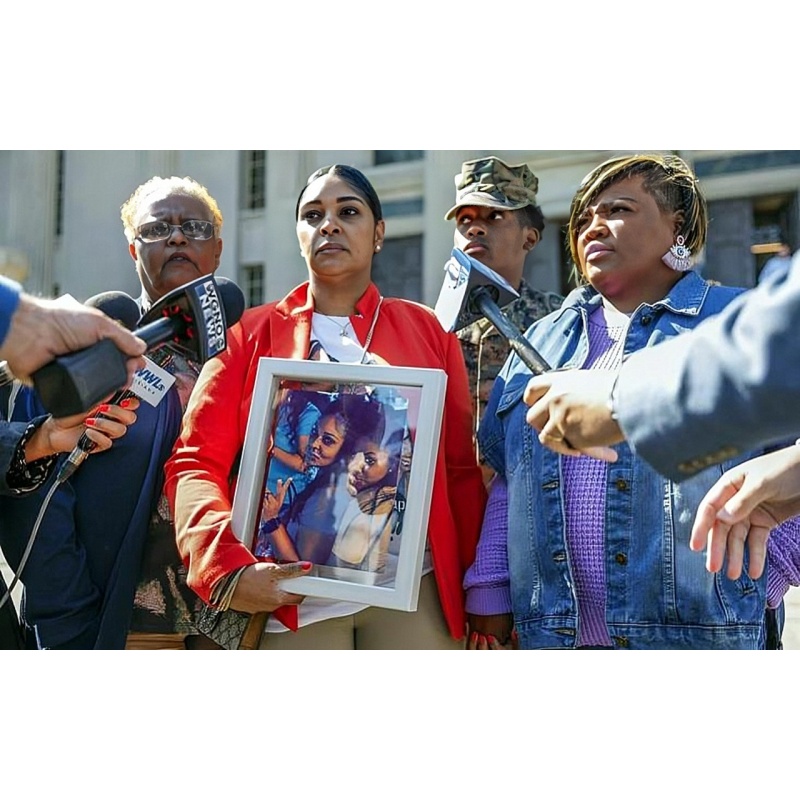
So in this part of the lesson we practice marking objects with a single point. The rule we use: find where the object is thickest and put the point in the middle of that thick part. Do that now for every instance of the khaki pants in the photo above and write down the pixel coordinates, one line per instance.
(168, 641)
(376, 629)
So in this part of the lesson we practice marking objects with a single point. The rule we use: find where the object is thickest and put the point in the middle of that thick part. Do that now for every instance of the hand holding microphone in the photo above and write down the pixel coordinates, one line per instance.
(48, 319)
(173, 321)
(42, 329)
(96, 432)
(193, 318)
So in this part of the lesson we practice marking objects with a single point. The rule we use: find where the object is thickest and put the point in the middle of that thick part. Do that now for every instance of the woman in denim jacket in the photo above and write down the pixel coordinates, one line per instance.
(598, 554)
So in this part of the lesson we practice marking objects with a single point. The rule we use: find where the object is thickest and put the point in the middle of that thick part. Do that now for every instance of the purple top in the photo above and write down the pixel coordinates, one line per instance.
(486, 581)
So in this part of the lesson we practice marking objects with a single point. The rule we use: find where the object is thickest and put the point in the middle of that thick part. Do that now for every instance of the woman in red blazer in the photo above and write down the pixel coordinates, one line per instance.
(341, 312)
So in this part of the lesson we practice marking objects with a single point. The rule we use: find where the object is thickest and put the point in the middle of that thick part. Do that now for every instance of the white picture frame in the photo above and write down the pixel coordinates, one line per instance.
(392, 543)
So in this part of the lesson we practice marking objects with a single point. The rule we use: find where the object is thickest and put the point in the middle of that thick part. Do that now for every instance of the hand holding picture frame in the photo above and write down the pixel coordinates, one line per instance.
(337, 469)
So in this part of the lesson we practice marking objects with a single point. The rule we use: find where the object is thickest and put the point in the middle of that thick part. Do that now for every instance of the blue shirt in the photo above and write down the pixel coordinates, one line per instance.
(10, 292)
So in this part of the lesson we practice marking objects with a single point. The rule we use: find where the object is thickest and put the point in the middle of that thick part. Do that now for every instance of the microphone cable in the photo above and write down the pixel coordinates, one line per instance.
(31, 539)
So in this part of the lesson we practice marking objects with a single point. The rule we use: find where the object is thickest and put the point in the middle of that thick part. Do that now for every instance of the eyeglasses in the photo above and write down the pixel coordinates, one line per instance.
(192, 229)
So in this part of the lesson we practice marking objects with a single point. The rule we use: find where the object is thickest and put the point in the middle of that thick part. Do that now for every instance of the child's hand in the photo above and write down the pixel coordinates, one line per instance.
(273, 502)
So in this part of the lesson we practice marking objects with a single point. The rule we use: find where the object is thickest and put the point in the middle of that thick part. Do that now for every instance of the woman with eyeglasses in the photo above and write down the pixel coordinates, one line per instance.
(105, 563)
(338, 314)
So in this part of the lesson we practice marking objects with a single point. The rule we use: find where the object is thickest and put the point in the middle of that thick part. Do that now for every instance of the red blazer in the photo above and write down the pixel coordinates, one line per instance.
(197, 473)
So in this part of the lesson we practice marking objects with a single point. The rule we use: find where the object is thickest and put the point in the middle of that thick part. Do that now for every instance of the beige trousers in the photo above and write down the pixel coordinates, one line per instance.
(376, 629)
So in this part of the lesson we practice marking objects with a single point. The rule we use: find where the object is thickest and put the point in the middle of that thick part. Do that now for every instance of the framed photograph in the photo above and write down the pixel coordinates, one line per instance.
(337, 469)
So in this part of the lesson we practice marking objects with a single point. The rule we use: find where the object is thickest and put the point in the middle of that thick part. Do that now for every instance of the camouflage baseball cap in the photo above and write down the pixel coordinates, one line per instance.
(492, 183)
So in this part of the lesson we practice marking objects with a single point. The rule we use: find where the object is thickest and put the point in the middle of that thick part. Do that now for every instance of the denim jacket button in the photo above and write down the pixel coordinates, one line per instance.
(646, 319)
(621, 641)
(621, 559)
(621, 484)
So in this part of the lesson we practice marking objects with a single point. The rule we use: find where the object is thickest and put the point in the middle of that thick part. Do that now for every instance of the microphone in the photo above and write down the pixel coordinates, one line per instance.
(117, 305)
(470, 291)
(125, 310)
(151, 383)
(194, 318)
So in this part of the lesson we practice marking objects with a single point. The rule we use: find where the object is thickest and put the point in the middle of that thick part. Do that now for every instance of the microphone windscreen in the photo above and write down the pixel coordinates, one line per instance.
(463, 274)
(117, 305)
(232, 300)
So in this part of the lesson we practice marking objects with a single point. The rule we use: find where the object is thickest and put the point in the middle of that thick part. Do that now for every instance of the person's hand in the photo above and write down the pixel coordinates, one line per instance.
(43, 329)
(490, 632)
(743, 506)
(570, 409)
(271, 506)
(62, 435)
(259, 587)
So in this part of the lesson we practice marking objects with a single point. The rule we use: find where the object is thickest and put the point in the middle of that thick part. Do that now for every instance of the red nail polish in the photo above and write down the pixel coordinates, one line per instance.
(306, 564)
(91, 422)
(102, 409)
(125, 403)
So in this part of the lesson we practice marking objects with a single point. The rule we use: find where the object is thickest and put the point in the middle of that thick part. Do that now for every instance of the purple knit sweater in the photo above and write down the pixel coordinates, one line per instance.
(487, 582)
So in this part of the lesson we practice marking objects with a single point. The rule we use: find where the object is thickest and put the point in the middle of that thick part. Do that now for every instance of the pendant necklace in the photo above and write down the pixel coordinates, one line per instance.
(342, 328)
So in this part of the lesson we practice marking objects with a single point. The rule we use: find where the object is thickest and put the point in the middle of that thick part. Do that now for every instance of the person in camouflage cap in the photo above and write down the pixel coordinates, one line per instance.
(498, 222)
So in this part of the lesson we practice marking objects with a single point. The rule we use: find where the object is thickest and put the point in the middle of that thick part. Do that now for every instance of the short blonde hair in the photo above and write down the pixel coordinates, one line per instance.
(667, 178)
(163, 187)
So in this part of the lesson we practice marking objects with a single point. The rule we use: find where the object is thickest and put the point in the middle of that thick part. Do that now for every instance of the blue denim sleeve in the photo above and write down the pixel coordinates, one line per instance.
(491, 436)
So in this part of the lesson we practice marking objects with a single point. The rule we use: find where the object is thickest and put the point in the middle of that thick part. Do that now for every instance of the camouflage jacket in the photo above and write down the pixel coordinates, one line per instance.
(485, 350)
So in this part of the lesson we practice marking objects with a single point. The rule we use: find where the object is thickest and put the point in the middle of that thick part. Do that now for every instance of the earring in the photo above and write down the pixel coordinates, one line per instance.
(377, 248)
(678, 257)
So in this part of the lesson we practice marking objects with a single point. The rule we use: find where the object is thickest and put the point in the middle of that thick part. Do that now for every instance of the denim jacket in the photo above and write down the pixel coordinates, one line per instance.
(659, 594)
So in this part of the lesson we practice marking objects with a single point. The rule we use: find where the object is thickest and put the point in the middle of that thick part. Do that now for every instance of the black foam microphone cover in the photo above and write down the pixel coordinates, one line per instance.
(232, 299)
(117, 305)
